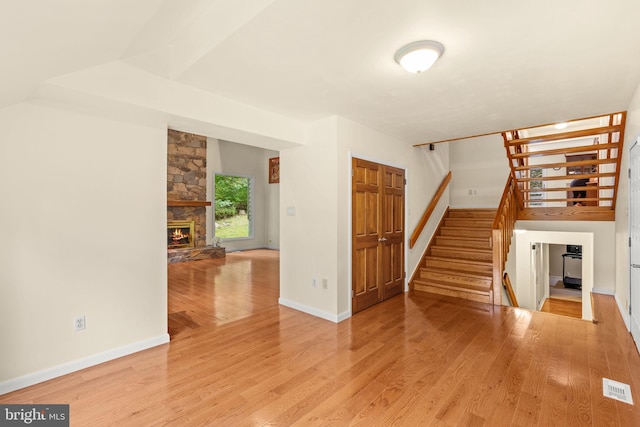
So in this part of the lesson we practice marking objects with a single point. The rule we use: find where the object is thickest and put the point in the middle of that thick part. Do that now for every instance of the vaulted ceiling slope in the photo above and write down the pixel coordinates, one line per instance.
(507, 64)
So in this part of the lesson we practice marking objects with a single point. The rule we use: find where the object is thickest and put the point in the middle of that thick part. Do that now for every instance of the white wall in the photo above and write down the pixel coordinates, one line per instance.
(603, 241)
(231, 158)
(309, 222)
(523, 279)
(555, 259)
(632, 132)
(316, 241)
(480, 165)
(83, 217)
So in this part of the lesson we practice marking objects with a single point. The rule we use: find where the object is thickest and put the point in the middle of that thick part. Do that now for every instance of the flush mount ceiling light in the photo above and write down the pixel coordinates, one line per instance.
(419, 56)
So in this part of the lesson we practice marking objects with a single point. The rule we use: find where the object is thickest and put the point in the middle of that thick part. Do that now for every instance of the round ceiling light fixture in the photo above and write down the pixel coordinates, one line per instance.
(419, 56)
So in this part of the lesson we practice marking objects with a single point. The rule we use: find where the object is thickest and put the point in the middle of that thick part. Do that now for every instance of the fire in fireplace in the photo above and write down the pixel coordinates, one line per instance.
(180, 234)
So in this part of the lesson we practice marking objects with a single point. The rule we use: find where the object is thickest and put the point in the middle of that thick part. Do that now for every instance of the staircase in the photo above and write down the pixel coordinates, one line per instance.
(459, 259)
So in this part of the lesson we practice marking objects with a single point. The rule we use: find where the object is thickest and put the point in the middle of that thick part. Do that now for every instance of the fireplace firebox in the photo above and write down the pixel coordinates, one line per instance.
(180, 234)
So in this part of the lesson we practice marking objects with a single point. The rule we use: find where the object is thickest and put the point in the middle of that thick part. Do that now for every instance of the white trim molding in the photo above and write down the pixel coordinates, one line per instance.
(335, 318)
(76, 365)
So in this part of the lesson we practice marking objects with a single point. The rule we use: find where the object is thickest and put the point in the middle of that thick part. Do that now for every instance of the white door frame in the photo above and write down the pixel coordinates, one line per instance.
(634, 242)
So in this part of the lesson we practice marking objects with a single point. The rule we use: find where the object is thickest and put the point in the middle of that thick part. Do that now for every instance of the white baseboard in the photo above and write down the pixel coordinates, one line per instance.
(251, 248)
(624, 313)
(314, 311)
(76, 365)
(344, 316)
(603, 291)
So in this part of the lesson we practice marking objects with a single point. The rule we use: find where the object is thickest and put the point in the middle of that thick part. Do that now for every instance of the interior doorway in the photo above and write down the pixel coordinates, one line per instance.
(533, 273)
(565, 275)
(557, 275)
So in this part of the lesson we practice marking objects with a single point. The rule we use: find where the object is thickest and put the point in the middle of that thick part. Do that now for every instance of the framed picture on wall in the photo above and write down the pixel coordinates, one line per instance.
(274, 170)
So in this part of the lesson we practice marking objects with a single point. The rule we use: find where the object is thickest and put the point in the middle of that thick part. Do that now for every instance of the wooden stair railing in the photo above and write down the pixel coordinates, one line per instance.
(430, 208)
(501, 233)
(568, 175)
(507, 286)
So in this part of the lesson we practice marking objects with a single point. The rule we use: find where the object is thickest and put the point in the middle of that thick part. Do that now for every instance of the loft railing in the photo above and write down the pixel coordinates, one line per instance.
(430, 208)
(573, 172)
(502, 231)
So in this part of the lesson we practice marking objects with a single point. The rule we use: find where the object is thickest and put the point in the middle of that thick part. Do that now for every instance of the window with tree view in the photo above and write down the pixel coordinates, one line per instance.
(233, 196)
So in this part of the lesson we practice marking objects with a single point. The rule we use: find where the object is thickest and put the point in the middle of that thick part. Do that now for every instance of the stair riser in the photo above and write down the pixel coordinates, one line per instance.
(446, 241)
(454, 280)
(453, 293)
(461, 254)
(460, 260)
(465, 232)
(472, 214)
(469, 223)
(480, 270)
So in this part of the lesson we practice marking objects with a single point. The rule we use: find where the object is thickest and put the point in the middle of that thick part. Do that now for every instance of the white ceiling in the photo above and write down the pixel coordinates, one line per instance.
(507, 64)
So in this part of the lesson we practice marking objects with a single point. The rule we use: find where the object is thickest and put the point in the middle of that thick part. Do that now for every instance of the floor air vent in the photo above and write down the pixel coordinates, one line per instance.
(617, 391)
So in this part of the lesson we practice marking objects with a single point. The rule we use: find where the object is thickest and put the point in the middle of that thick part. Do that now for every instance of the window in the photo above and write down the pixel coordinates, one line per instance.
(233, 202)
(536, 197)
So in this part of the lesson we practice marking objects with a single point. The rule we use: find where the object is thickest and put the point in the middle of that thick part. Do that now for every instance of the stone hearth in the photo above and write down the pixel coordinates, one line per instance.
(195, 254)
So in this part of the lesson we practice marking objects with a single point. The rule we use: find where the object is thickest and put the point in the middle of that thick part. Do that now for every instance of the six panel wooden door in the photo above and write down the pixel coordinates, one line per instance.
(377, 233)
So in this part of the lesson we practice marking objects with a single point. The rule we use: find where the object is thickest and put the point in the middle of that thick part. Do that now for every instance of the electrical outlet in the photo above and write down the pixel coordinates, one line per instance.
(314, 283)
(325, 285)
(79, 323)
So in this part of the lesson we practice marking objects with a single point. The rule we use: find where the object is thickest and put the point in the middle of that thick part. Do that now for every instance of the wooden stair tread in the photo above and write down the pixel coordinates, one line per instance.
(469, 223)
(473, 213)
(463, 242)
(463, 265)
(458, 252)
(455, 280)
(460, 249)
(465, 274)
(460, 229)
(482, 290)
(479, 233)
(460, 260)
(465, 238)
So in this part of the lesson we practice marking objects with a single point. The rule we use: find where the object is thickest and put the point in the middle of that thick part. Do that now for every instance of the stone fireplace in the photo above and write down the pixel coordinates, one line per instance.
(186, 198)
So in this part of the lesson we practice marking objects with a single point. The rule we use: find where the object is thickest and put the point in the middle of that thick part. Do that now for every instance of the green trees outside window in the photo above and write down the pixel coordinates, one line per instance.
(232, 206)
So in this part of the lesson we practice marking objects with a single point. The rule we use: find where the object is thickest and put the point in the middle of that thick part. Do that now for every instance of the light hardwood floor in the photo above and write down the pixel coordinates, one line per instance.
(237, 358)
(563, 307)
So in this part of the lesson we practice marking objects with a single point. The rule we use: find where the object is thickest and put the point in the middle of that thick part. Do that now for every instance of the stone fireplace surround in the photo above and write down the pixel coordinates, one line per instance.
(186, 193)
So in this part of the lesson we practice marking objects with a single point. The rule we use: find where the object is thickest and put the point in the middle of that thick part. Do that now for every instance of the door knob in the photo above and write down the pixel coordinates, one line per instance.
(382, 239)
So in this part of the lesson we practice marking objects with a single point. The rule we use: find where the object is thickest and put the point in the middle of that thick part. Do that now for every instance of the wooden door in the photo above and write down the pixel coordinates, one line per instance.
(377, 233)
(392, 231)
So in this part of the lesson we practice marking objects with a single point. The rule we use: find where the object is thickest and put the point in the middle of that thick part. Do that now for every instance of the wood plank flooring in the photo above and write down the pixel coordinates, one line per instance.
(563, 307)
(237, 358)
